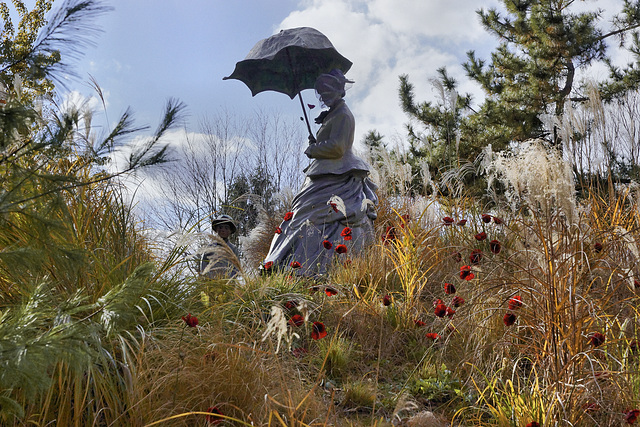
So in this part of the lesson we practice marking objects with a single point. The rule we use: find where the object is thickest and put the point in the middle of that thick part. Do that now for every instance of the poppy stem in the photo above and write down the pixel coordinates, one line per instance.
(175, 387)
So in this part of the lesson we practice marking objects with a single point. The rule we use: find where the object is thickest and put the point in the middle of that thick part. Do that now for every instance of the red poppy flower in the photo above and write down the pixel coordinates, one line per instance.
(268, 265)
(327, 244)
(450, 312)
(191, 321)
(497, 220)
(318, 331)
(598, 247)
(597, 339)
(295, 264)
(457, 301)
(515, 302)
(419, 323)
(481, 236)
(311, 106)
(437, 302)
(290, 305)
(386, 300)
(509, 319)
(432, 336)
(447, 220)
(278, 230)
(288, 216)
(440, 310)
(476, 256)
(457, 256)
(346, 233)
(390, 234)
(299, 352)
(631, 415)
(636, 283)
(449, 289)
(486, 218)
(334, 206)
(341, 249)
(296, 320)
(212, 419)
(462, 222)
(533, 424)
(330, 291)
(495, 246)
(465, 273)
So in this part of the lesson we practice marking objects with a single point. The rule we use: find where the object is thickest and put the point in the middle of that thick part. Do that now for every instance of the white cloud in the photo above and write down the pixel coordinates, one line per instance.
(386, 38)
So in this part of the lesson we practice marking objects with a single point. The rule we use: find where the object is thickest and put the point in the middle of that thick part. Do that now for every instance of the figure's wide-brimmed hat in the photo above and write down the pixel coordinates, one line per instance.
(224, 219)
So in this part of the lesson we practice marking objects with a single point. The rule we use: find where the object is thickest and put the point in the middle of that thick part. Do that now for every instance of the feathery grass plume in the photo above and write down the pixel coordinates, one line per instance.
(223, 260)
(534, 174)
(277, 325)
(627, 238)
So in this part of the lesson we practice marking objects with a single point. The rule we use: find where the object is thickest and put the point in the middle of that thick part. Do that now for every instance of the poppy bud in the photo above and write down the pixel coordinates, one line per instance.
(386, 300)
(296, 320)
(596, 339)
(515, 302)
(476, 256)
(318, 331)
(341, 249)
(457, 301)
(465, 273)
(509, 319)
(481, 236)
(449, 289)
(440, 310)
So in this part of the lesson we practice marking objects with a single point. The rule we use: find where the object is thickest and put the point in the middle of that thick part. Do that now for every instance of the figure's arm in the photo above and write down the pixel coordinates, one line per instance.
(336, 144)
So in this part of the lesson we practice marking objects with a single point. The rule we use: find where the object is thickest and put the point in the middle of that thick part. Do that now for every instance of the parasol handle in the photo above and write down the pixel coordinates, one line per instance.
(305, 114)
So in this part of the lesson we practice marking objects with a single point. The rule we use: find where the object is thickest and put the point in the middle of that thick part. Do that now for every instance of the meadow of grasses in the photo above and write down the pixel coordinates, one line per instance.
(509, 310)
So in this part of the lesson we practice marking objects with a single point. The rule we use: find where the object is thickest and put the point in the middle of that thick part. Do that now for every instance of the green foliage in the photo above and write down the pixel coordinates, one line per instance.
(533, 70)
(439, 386)
(37, 49)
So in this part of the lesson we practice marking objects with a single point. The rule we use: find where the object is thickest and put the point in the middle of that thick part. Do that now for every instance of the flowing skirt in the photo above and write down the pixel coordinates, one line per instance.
(332, 219)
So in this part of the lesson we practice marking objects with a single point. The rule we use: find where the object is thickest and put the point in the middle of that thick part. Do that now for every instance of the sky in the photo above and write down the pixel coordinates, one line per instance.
(151, 50)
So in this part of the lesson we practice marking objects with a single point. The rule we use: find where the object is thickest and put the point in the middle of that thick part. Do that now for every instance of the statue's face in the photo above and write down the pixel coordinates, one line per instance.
(223, 230)
(328, 98)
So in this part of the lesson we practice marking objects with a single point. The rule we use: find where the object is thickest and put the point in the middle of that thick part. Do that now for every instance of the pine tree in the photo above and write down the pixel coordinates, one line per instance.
(533, 70)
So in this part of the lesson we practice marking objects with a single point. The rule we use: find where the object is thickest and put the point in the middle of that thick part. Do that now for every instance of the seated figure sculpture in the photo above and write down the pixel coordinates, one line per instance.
(332, 215)
(217, 259)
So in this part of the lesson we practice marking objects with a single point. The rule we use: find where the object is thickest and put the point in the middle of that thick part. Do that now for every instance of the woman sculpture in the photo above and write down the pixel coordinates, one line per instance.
(332, 215)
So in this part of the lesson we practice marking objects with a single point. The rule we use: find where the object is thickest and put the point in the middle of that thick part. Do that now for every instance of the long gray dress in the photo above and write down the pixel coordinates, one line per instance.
(336, 195)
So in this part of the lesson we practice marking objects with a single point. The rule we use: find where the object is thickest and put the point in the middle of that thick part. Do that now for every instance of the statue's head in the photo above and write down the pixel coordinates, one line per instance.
(223, 225)
(330, 87)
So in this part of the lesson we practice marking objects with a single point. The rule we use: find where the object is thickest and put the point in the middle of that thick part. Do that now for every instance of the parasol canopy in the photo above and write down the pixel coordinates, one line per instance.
(289, 62)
